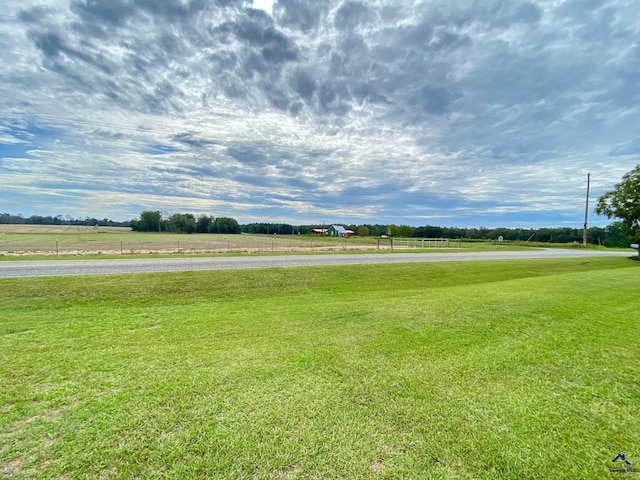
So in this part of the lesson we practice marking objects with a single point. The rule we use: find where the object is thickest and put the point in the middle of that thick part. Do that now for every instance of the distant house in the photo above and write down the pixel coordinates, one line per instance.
(319, 231)
(339, 231)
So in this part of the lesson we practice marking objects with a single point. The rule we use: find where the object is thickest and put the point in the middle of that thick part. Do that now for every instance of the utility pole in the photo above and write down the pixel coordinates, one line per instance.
(586, 212)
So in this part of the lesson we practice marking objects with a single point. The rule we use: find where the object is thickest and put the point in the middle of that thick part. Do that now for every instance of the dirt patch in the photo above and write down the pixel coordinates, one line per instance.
(11, 468)
(13, 228)
(182, 251)
(377, 465)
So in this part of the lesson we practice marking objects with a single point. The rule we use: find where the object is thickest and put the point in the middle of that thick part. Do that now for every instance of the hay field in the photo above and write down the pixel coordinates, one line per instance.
(64, 240)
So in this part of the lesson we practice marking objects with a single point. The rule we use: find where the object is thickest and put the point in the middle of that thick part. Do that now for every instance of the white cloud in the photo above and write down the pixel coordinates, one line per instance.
(266, 5)
(380, 111)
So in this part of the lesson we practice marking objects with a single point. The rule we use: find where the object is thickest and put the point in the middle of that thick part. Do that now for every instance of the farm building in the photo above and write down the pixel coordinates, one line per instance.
(339, 231)
(319, 231)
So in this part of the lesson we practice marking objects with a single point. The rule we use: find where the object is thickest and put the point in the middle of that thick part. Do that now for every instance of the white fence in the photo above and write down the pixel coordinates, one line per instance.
(425, 243)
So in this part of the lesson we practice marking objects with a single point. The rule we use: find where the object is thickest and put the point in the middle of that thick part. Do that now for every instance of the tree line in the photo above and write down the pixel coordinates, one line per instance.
(18, 219)
(610, 236)
(152, 221)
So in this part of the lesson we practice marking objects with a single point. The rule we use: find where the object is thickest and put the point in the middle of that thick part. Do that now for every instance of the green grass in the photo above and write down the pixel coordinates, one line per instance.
(519, 369)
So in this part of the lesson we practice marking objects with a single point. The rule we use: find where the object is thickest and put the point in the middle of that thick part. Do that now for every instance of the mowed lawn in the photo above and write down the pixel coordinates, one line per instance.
(512, 369)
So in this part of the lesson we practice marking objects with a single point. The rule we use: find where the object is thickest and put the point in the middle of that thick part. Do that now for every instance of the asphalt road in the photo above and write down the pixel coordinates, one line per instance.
(49, 268)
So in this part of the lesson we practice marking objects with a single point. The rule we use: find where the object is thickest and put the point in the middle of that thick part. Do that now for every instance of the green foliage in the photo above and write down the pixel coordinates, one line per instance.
(623, 202)
(181, 223)
(150, 221)
(460, 370)
(7, 218)
(404, 231)
(280, 228)
(611, 235)
(204, 224)
(363, 231)
(429, 232)
(226, 225)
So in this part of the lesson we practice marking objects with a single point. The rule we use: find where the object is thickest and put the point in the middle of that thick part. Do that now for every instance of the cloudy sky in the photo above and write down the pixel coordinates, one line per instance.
(464, 113)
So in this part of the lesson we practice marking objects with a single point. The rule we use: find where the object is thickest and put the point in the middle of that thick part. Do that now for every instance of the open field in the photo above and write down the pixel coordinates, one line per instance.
(28, 229)
(520, 369)
(72, 241)
(23, 240)
(18, 241)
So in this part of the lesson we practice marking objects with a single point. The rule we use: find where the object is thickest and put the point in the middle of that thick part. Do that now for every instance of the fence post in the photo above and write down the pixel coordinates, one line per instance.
(56, 248)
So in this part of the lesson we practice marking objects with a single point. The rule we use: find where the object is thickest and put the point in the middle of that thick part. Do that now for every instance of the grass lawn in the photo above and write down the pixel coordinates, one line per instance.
(497, 370)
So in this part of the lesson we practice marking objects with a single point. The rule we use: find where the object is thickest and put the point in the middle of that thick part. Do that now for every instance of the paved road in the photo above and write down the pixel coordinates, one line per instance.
(48, 268)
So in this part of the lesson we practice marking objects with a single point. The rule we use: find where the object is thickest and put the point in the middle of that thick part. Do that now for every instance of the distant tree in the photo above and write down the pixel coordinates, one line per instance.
(545, 235)
(182, 223)
(374, 230)
(149, 221)
(401, 230)
(614, 237)
(189, 225)
(363, 231)
(623, 202)
(266, 228)
(564, 235)
(596, 235)
(226, 225)
(429, 232)
(453, 232)
(505, 233)
(405, 231)
(204, 224)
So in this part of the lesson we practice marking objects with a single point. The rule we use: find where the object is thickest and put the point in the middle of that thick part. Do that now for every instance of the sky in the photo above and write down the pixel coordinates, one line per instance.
(466, 113)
